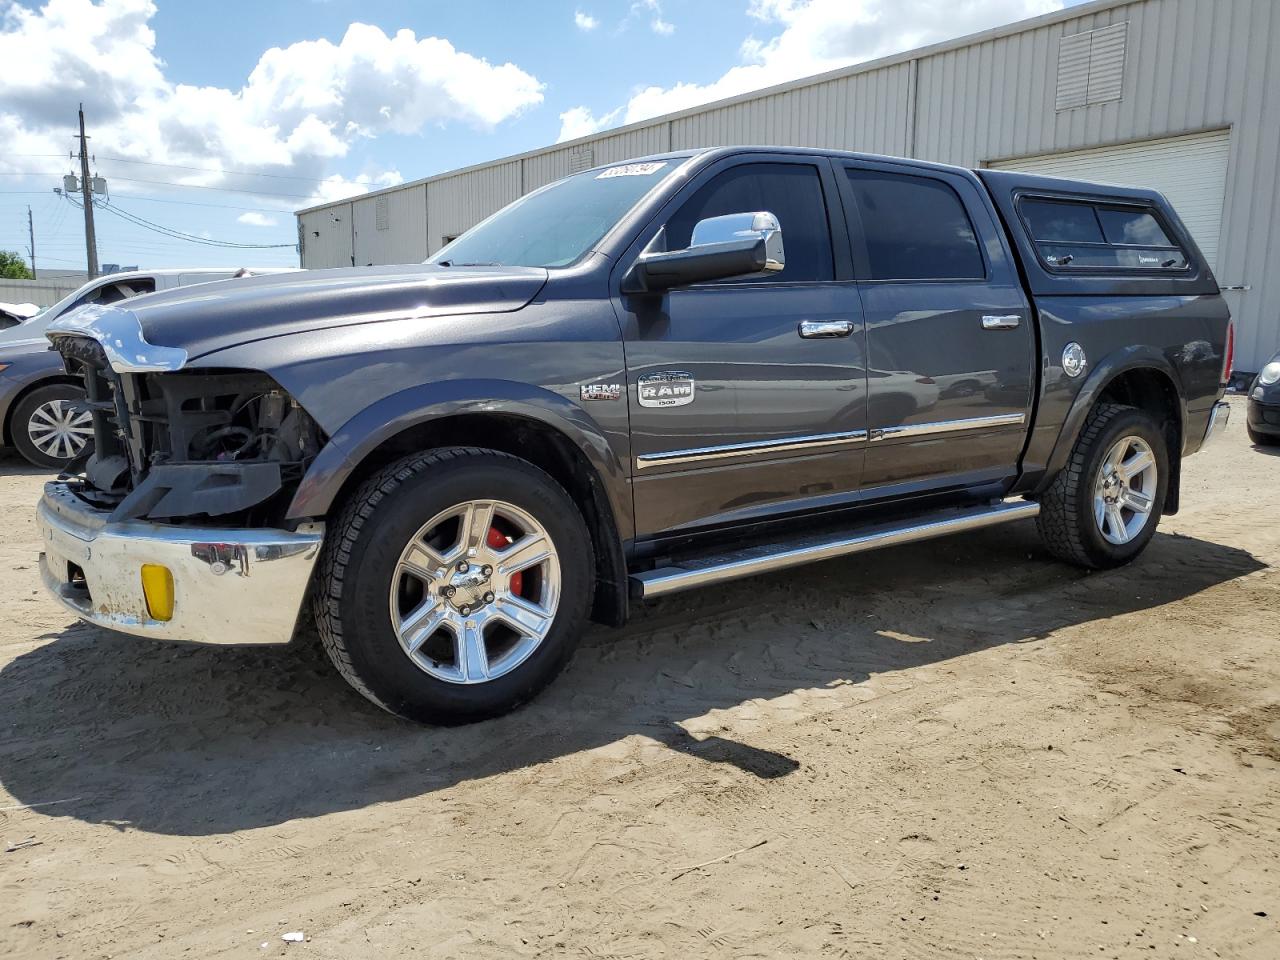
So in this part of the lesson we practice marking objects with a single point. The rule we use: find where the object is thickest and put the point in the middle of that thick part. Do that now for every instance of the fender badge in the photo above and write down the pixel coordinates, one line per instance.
(670, 388)
(601, 391)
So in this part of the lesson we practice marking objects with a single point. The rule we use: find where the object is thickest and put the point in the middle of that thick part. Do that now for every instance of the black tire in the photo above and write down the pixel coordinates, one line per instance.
(20, 424)
(1066, 521)
(1261, 439)
(363, 547)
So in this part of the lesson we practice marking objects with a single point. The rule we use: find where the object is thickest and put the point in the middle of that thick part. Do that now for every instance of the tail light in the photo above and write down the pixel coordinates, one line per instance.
(1230, 352)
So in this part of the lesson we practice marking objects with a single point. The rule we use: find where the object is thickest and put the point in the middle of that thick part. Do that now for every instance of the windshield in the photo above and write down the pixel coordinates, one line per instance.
(555, 226)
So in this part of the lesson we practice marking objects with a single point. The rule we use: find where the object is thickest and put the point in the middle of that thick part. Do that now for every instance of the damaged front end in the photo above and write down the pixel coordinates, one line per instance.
(173, 527)
(226, 445)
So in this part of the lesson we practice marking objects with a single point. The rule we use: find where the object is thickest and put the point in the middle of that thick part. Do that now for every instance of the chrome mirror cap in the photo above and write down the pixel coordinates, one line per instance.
(120, 334)
(760, 225)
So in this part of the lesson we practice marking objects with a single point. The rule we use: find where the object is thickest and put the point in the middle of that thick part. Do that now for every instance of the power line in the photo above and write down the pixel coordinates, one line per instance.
(180, 235)
(182, 166)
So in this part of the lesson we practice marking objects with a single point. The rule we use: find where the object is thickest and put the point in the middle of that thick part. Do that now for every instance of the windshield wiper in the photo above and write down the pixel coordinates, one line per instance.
(451, 263)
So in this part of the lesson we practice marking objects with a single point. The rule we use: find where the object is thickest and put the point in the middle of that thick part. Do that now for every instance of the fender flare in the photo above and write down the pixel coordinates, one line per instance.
(1124, 360)
(363, 433)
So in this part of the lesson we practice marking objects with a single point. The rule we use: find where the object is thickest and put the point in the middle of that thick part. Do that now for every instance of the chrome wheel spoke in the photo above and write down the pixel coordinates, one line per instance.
(1137, 501)
(421, 561)
(522, 616)
(1115, 520)
(473, 529)
(423, 621)
(1136, 464)
(472, 655)
(523, 554)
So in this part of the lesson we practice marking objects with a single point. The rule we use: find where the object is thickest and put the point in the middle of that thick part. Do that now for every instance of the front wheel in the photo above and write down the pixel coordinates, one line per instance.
(1103, 508)
(454, 585)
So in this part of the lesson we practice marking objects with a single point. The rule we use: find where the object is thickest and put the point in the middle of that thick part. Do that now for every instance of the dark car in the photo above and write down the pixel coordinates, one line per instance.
(1263, 416)
(646, 377)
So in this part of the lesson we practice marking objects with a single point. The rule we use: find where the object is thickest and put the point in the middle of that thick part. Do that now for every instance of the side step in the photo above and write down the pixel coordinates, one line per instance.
(702, 571)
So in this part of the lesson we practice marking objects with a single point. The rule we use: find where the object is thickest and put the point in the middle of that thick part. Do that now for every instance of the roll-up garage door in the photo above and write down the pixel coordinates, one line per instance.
(1191, 171)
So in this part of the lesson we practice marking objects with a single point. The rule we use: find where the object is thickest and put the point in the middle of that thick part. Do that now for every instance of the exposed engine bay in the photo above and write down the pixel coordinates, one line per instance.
(199, 444)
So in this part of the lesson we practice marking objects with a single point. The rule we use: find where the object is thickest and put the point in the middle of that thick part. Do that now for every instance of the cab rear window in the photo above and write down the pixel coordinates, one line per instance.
(1074, 236)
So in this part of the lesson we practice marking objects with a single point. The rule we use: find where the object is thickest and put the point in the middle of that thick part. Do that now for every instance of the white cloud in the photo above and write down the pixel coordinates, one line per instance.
(301, 106)
(653, 10)
(813, 36)
(578, 122)
(257, 220)
(585, 21)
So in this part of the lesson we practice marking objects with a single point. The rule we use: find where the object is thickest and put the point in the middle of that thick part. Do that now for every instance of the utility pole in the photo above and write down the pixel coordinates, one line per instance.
(86, 192)
(31, 232)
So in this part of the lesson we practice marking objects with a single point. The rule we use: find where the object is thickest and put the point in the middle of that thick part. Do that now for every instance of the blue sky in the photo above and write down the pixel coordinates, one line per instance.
(218, 120)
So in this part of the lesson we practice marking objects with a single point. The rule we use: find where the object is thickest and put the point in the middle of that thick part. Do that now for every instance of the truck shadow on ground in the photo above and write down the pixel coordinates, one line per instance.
(196, 740)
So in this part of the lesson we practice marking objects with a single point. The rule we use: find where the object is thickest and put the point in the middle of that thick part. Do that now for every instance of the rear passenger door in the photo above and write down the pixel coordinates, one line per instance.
(950, 344)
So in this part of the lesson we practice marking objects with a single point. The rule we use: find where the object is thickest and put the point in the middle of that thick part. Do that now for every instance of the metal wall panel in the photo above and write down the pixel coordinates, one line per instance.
(400, 237)
(865, 111)
(457, 203)
(325, 235)
(552, 164)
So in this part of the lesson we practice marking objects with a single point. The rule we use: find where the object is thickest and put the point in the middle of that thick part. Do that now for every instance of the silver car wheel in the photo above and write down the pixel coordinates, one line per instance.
(59, 431)
(475, 591)
(1125, 490)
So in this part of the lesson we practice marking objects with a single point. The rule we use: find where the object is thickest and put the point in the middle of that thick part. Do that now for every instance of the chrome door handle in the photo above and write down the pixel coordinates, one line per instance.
(821, 329)
(1004, 322)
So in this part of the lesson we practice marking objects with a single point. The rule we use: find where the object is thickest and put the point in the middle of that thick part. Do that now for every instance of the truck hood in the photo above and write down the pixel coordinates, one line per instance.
(202, 318)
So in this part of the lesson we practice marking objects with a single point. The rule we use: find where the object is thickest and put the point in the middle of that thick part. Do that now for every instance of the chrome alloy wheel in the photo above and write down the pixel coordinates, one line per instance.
(1125, 490)
(475, 591)
(59, 431)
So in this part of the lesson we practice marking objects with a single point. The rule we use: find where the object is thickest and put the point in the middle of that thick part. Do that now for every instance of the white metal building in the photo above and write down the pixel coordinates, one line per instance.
(1179, 95)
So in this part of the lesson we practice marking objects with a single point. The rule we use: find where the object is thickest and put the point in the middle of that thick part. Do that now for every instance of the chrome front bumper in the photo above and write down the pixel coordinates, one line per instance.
(230, 586)
(1218, 418)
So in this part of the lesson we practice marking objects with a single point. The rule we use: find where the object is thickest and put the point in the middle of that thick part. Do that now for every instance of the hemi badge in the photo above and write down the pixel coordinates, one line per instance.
(601, 391)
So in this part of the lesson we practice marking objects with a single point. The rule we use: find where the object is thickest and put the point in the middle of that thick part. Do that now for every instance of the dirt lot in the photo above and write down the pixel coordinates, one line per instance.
(961, 749)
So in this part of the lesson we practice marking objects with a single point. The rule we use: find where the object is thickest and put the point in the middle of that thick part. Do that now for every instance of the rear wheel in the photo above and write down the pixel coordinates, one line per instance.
(454, 585)
(1103, 508)
(48, 429)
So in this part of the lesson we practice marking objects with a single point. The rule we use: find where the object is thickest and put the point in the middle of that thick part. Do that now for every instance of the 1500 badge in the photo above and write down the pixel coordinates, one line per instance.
(671, 388)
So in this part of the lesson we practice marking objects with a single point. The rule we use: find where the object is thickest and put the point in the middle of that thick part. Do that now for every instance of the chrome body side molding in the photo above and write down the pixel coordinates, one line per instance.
(813, 443)
(948, 426)
(769, 557)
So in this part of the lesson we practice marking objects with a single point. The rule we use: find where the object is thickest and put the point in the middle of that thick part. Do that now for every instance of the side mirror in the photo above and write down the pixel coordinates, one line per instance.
(721, 248)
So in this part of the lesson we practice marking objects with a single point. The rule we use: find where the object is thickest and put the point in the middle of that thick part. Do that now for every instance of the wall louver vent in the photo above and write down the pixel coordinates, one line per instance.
(381, 214)
(581, 158)
(1091, 66)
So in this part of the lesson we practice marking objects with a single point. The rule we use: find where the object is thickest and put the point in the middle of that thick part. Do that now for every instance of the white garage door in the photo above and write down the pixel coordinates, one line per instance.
(1191, 171)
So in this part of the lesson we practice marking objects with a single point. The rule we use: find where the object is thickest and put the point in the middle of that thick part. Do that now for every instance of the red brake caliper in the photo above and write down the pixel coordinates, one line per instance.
(498, 540)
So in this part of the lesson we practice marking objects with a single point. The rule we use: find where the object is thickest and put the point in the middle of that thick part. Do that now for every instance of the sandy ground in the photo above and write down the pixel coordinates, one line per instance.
(960, 749)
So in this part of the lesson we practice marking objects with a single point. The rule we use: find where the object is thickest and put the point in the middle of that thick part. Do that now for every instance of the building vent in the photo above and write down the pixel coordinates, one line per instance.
(582, 158)
(1091, 66)
(381, 214)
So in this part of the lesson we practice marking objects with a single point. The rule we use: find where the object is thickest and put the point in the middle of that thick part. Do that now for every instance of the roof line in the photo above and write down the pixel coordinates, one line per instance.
(867, 66)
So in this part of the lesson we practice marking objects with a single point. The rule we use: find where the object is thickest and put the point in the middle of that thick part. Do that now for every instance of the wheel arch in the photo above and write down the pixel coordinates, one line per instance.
(569, 448)
(1139, 377)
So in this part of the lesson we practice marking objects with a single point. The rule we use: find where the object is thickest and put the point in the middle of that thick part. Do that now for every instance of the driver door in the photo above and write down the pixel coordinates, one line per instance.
(747, 397)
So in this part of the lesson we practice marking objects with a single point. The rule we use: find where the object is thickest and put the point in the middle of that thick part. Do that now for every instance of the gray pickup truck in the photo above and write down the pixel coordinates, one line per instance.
(646, 377)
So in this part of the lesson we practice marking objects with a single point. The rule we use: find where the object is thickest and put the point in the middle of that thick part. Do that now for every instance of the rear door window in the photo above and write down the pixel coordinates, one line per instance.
(1074, 235)
(914, 228)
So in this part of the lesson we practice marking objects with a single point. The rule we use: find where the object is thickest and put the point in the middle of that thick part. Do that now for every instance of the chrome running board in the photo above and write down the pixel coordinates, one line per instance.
(702, 571)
